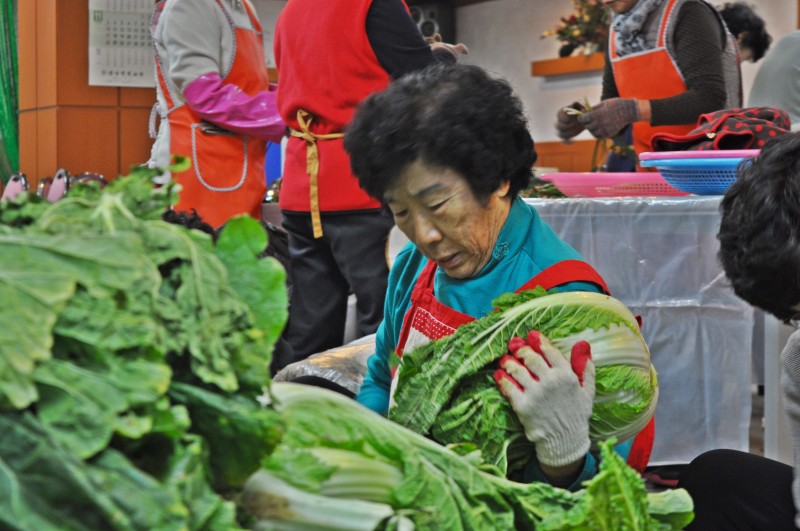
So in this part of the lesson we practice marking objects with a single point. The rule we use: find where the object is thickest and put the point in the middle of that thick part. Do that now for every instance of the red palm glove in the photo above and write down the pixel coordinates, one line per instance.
(552, 395)
(609, 116)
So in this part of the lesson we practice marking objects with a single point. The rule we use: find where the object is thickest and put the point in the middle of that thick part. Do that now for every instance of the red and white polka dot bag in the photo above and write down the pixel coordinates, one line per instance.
(728, 129)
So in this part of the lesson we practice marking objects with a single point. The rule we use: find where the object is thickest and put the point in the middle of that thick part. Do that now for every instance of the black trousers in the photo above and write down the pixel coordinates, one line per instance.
(735, 490)
(350, 256)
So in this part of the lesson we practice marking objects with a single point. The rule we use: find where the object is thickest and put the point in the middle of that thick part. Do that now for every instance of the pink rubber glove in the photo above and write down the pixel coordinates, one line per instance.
(608, 117)
(227, 106)
(551, 394)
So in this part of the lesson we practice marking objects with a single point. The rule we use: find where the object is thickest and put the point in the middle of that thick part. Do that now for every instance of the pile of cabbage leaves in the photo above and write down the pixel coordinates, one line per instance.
(131, 356)
(135, 395)
(340, 466)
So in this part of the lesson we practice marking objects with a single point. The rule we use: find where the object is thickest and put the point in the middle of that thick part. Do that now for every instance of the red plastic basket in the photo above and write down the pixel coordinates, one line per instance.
(598, 184)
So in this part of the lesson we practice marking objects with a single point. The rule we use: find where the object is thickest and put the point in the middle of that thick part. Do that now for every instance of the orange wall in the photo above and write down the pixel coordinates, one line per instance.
(64, 122)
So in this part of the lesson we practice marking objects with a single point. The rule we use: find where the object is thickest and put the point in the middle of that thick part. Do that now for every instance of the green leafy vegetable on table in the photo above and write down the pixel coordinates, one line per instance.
(130, 362)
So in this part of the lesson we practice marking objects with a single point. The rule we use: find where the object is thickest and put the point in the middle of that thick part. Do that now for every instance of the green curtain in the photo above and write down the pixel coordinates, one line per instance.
(9, 123)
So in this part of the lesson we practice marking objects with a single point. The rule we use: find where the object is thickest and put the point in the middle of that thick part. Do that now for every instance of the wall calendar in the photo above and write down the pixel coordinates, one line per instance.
(120, 47)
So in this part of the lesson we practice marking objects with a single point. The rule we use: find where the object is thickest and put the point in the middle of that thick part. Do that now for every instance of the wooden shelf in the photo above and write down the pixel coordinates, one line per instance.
(568, 65)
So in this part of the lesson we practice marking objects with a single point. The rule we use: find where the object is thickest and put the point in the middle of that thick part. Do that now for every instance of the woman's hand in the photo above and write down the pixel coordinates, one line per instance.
(608, 117)
(457, 50)
(567, 124)
(552, 396)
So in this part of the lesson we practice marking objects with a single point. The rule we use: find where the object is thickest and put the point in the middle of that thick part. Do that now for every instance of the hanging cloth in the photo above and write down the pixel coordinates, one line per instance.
(9, 124)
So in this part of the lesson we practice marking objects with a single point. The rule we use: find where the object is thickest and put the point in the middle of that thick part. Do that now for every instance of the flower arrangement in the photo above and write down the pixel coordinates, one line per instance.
(586, 29)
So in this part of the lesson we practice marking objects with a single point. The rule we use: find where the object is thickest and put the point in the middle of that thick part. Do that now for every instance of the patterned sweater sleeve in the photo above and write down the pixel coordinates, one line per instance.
(699, 42)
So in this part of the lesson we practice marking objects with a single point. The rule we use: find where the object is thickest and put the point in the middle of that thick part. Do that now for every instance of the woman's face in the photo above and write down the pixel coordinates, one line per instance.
(436, 209)
(620, 6)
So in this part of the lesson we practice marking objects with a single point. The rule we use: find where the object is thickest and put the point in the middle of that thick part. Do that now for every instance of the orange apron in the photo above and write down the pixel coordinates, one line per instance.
(649, 75)
(429, 320)
(227, 173)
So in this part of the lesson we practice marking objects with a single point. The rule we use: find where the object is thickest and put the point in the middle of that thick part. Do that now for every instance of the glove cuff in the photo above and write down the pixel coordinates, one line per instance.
(630, 111)
(564, 450)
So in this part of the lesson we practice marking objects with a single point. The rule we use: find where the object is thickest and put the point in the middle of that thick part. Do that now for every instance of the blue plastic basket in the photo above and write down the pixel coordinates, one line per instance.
(712, 176)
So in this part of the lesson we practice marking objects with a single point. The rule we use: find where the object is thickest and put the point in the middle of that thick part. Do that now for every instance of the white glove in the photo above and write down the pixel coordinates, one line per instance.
(551, 394)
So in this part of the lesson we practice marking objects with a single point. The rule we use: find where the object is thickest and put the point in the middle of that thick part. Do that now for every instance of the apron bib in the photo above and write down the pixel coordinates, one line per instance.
(227, 173)
(649, 75)
(429, 320)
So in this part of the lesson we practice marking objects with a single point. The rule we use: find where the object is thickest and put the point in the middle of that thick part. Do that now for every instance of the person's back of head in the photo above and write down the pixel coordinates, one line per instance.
(748, 28)
(759, 232)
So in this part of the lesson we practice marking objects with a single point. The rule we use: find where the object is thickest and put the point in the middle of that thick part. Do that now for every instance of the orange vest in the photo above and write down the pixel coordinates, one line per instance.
(227, 174)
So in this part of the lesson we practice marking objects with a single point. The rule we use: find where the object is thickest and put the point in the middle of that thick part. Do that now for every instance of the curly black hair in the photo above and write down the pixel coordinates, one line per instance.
(448, 116)
(742, 20)
(759, 233)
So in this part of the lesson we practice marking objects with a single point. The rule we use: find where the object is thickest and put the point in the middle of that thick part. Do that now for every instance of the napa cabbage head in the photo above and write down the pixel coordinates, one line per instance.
(445, 389)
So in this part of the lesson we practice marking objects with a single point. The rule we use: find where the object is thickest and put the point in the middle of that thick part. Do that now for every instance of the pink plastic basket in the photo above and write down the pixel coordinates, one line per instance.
(611, 184)
(696, 154)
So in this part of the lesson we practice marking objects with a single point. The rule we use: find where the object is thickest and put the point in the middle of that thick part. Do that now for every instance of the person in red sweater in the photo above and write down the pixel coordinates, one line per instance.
(331, 55)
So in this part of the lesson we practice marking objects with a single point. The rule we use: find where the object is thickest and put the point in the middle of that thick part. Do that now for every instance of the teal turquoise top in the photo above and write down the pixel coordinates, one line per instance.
(525, 247)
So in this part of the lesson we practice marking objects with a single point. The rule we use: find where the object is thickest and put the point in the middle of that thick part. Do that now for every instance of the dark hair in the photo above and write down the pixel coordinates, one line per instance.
(190, 220)
(455, 117)
(742, 20)
(759, 233)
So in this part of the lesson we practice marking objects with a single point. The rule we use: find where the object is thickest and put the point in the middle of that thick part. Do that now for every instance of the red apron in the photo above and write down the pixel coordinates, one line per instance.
(227, 173)
(649, 75)
(429, 320)
(321, 88)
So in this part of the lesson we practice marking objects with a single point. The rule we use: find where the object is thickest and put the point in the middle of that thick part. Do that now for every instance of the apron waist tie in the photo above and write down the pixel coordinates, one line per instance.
(304, 118)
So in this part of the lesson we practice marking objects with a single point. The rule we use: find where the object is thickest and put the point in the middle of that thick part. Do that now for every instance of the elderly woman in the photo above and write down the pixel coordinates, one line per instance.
(447, 150)
(668, 62)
